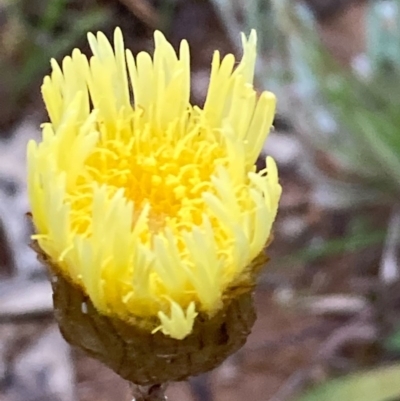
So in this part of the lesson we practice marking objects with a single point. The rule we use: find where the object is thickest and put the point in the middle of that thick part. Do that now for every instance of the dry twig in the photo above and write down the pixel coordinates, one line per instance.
(360, 329)
(144, 11)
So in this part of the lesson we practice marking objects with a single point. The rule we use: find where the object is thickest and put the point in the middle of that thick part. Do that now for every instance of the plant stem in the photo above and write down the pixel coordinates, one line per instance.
(154, 392)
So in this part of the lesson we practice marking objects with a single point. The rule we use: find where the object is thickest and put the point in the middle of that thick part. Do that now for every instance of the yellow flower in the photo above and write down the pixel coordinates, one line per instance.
(150, 205)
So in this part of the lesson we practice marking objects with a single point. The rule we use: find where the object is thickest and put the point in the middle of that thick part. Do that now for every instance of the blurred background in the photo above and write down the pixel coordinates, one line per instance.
(328, 302)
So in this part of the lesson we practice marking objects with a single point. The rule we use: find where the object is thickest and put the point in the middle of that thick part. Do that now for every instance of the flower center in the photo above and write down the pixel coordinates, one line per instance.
(166, 169)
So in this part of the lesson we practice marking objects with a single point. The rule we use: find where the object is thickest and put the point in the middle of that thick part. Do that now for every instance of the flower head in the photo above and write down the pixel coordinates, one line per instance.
(152, 206)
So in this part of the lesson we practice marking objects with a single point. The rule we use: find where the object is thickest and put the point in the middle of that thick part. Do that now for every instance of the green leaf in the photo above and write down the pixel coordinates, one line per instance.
(332, 247)
(382, 384)
(392, 343)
